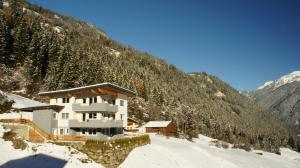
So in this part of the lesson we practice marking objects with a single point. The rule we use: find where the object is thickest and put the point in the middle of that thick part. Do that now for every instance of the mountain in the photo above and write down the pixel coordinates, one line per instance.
(281, 97)
(43, 50)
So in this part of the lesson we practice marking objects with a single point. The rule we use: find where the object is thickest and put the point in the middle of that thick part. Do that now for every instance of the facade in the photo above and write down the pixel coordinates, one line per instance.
(96, 111)
(160, 127)
(132, 125)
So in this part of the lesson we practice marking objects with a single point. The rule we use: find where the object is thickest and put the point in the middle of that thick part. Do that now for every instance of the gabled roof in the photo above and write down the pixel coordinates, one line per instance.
(97, 87)
(157, 124)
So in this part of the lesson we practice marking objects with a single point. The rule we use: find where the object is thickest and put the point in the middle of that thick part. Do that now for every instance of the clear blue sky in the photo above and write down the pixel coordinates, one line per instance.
(245, 43)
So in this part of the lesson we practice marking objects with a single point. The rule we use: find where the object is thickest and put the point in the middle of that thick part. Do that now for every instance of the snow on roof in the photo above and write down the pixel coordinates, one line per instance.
(157, 124)
(88, 87)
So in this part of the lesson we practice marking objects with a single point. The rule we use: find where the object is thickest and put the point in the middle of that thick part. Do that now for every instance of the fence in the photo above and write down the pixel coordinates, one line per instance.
(42, 132)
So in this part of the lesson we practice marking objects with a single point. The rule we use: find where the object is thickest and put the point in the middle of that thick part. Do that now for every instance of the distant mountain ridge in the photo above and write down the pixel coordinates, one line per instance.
(289, 78)
(281, 97)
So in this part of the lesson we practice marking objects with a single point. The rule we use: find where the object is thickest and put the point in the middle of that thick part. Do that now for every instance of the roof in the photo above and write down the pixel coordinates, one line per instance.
(134, 120)
(53, 107)
(114, 87)
(157, 124)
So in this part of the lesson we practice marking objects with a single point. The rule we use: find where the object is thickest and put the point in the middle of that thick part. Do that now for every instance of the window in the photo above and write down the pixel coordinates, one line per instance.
(83, 131)
(95, 99)
(54, 115)
(65, 115)
(92, 115)
(122, 116)
(91, 131)
(66, 100)
(84, 100)
(121, 102)
(67, 130)
(61, 131)
(91, 100)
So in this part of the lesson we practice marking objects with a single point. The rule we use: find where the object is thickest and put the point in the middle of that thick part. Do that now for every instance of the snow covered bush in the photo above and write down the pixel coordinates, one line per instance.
(18, 143)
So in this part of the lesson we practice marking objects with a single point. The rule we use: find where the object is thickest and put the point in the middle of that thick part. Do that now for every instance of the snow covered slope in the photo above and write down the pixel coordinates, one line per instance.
(21, 102)
(292, 77)
(177, 153)
(47, 155)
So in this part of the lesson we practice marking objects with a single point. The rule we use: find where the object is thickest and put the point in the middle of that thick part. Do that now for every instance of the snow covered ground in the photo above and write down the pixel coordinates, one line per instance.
(46, 155)
(177, 153)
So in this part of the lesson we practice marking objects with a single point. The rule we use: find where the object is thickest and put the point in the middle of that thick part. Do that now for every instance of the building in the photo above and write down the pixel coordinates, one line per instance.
(160, 127)
(96, 111)
(132, 125)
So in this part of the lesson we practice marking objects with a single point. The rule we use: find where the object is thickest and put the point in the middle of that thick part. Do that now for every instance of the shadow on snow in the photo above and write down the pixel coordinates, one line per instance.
(35, 161)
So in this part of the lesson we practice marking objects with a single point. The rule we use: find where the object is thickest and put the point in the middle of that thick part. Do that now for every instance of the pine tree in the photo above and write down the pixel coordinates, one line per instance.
(1, 4)
(17, 12)
(21, 41)
(5, 43)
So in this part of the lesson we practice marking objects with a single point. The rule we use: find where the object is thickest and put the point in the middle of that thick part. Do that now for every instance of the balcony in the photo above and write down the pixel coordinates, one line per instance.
(95, 123)
(95, 107)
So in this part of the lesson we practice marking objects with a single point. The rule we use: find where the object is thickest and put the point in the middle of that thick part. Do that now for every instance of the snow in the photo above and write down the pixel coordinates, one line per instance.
(106, 84)
(219, 94)
(265, 85)
(21, 102)
(157, 124)
(292, 77)
(6, 4)
(57, 29)
(47, 155)
(15, 115)
(178, 153)
(113, 52)
(56, 17)
(30, 11)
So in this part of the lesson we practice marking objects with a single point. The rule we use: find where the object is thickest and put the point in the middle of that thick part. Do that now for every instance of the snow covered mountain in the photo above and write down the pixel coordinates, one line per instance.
(286, 79)
(282, 97)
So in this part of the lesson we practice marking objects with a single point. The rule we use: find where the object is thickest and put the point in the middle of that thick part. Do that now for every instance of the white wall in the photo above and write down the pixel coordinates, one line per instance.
(74, 115)
(122, 109)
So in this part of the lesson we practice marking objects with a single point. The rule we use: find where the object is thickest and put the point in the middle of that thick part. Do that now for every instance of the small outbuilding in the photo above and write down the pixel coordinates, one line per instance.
(132, 125)
(160, 127)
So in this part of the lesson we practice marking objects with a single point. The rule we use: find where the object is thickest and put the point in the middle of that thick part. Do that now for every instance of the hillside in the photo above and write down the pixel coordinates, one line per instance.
(42, 50)
(282, 97)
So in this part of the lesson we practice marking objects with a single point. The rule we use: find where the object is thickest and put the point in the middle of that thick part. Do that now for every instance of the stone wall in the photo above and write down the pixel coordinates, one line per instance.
(111, 153)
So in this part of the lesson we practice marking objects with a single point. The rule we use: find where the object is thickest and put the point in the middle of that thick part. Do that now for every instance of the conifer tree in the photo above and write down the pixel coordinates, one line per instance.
(5, 43)
(21, 41)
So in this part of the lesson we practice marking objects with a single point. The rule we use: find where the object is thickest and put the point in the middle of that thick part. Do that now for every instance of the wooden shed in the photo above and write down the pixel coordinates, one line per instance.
(132, 125)
(160, 127)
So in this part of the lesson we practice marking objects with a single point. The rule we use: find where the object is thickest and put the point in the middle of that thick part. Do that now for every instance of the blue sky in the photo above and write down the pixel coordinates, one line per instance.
(245, 43)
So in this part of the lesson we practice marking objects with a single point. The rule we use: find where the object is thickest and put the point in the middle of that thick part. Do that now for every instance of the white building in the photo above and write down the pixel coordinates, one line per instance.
(96, 111)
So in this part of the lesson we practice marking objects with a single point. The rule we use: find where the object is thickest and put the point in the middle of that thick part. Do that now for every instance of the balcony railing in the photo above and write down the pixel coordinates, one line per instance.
(95, 107)
(94, 123)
